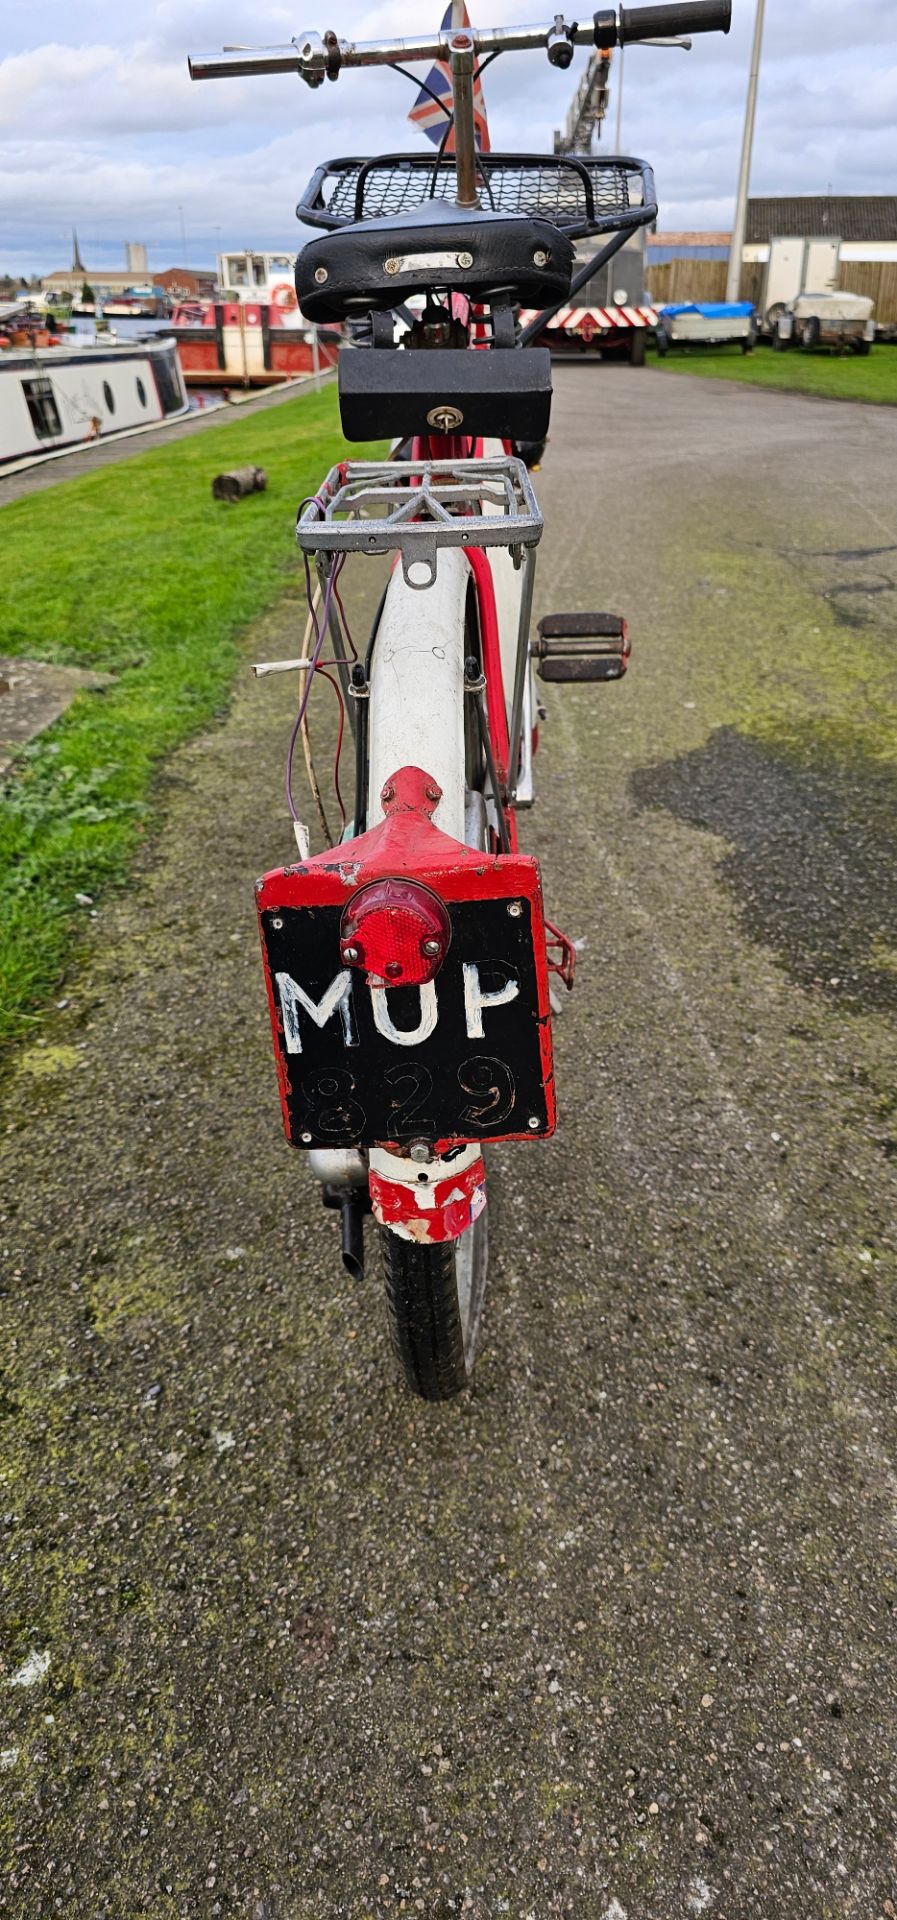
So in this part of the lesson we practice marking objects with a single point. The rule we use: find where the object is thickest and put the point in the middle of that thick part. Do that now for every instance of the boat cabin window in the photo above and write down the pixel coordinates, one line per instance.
(42, 407)
(141, 391)
(167, 383)
(108, 396)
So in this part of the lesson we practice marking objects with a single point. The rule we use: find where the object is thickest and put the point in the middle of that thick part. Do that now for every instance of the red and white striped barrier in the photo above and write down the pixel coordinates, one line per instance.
(587, 321)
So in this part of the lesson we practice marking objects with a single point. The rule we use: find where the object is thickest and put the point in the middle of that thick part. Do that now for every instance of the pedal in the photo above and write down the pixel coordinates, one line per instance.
(582, 646)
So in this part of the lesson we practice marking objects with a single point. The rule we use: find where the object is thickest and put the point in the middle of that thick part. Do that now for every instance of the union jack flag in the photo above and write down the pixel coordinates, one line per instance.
(432, 115)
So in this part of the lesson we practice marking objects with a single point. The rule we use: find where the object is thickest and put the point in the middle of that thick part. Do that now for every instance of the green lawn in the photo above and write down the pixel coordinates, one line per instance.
(838, 376)
(135, 570)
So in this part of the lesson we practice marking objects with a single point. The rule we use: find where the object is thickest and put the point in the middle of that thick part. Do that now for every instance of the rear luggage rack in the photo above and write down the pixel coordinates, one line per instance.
(414, 507)
(580, 193)
(582, 646)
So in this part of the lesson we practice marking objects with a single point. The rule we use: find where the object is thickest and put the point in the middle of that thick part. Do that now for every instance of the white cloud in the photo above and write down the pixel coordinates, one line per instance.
(102, 128)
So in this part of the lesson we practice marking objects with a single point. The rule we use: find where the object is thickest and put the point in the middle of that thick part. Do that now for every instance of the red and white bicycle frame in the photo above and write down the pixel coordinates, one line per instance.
(422, 828)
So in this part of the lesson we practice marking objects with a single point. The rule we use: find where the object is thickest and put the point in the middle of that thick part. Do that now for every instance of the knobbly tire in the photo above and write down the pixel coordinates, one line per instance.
(434, 1298)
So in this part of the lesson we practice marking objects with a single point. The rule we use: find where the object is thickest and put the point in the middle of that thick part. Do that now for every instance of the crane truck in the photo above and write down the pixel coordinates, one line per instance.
(612, 314)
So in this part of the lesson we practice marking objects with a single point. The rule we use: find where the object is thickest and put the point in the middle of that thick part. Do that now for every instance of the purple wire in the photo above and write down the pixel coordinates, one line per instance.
(319, 632)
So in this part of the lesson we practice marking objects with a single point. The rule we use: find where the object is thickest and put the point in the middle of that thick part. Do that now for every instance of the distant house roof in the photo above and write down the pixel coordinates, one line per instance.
(846, 217)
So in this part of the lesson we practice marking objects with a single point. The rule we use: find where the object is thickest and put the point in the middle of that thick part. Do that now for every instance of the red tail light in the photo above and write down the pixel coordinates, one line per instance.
(396, 930)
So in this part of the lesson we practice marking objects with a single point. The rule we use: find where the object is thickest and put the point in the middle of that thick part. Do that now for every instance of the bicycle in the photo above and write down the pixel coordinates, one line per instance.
(407, 967)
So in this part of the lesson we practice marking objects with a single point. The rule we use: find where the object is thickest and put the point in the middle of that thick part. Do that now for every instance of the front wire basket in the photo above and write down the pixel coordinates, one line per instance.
(580, 193)
(414, 507)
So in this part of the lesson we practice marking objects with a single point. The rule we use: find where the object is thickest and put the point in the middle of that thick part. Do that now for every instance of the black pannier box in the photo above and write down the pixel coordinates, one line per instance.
(497, 393)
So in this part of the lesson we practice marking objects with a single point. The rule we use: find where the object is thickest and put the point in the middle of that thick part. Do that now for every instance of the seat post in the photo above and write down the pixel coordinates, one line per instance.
(462, 61)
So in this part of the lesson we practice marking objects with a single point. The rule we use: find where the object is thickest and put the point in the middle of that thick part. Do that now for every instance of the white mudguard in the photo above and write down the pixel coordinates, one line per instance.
(417, 688)
(417, 720)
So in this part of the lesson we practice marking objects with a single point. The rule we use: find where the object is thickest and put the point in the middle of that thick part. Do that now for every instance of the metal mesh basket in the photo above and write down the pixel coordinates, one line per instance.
(579, 193)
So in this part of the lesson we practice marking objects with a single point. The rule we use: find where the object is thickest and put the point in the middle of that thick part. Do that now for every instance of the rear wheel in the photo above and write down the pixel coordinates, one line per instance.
(637, 348)
(434, 1298)
(434, 1294)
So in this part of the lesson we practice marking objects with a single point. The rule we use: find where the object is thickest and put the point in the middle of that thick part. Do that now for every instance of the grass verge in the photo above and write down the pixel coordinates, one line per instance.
(134, 570)
(834, 376)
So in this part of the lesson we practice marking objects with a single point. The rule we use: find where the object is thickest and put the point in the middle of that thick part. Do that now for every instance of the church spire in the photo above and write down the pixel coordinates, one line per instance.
(77, 262)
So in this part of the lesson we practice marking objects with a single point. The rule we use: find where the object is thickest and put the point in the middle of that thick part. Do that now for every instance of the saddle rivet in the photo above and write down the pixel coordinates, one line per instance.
(540, 257)
(465, 259)
(321, 275)
(392, 265)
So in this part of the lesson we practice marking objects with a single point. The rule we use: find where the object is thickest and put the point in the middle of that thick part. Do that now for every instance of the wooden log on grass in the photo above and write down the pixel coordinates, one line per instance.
(236, 485)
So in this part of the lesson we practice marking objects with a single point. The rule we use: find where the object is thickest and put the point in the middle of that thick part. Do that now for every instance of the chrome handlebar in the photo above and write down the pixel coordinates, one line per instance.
(316, 57)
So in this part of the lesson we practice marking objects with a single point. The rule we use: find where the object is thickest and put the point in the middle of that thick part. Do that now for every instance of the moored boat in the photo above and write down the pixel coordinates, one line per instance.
(62, 392)
(229, 342)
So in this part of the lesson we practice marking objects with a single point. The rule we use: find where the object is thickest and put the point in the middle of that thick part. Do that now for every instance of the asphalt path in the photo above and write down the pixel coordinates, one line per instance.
(614, 1635)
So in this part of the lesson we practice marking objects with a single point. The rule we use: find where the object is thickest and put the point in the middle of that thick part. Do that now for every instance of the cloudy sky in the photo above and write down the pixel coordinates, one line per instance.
(101, 128)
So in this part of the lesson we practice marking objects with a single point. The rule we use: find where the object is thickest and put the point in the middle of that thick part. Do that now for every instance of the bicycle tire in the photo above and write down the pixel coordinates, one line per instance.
(434, 1297)
(434, 1294)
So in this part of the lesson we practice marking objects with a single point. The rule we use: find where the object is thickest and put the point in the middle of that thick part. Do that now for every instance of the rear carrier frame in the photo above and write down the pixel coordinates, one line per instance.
(416, 507)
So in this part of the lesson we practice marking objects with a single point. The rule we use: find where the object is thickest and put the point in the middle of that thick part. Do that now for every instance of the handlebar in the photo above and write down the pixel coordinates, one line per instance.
(623, 26)
(318, 57)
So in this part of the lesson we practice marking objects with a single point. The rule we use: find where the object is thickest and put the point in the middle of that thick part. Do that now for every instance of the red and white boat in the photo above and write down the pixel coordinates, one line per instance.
(228, 342)
(250, 333)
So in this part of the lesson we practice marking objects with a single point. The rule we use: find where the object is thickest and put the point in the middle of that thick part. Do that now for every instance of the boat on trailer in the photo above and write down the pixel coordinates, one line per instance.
(61, 392)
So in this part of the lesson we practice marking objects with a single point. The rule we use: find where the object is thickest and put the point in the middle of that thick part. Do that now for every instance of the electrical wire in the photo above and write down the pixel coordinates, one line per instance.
(449, 129)
(345, 623)
(422, 85)
(306, 738)
(339, 743)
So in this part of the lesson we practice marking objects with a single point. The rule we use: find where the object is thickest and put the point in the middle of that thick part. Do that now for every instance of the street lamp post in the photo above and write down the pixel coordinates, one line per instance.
(736, 252)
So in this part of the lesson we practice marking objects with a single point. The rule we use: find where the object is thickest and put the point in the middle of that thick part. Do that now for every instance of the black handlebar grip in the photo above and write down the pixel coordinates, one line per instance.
(621, 27)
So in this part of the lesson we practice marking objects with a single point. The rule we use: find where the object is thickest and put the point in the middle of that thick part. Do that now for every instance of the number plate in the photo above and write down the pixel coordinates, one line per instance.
(462, 1058)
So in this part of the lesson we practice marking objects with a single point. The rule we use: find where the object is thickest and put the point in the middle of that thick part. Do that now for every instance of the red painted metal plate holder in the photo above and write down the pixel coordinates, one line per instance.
(407, 844)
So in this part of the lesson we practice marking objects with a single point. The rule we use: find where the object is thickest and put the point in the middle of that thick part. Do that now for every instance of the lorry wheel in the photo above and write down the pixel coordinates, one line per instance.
(662, 340)
(779, 343)
(637, 348)
(812, 333)
(862, 346)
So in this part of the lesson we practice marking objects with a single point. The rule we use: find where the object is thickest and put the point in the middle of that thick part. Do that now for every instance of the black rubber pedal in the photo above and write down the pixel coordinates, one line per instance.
(566, 667)
(582, 626)
(582, 646)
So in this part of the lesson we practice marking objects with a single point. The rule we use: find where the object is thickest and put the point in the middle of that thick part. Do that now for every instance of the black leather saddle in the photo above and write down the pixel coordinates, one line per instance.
(376, 264)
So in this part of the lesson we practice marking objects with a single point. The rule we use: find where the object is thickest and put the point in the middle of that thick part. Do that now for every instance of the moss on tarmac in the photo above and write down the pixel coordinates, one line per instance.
(614, 1635)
